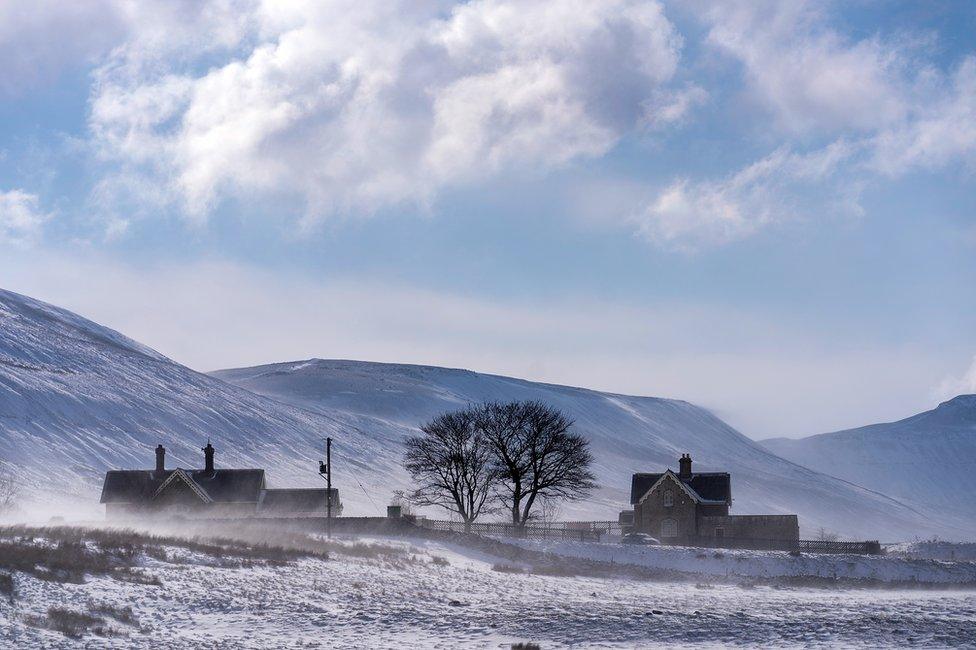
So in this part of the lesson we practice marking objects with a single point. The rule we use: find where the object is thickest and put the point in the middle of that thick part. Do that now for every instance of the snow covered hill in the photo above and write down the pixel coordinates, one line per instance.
(628, 434)
(77, 399)
(928, 459)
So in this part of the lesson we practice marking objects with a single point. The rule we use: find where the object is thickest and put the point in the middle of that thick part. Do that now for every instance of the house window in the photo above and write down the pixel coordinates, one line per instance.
(719, 533)
(669, 528)
(668, 498)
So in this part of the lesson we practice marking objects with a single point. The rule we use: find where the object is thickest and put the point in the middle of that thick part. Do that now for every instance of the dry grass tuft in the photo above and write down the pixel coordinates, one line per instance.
(70, 623)
(123, 615)
(506, 568)
(67, 554)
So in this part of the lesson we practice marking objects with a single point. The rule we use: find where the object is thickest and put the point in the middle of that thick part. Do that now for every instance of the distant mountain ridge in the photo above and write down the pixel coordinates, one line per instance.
(927, 460)
(628, 434)
(77, 398)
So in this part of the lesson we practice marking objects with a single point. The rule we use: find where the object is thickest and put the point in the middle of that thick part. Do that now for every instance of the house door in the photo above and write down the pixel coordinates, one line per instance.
(669, 528)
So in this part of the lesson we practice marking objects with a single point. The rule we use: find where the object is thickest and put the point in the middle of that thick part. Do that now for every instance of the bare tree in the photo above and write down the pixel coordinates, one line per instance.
(537, 455)
(504, 426)
(825, 535)
(452, 464)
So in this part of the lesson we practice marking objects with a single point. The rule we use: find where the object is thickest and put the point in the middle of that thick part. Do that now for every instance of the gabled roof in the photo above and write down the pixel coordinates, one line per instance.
(669, 474)
(180, 475)
(221, 485)
(714, 487)
(296, 500)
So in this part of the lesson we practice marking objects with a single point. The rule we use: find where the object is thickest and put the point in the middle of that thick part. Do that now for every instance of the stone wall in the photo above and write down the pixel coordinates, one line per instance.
(778, 527)
(192, 511)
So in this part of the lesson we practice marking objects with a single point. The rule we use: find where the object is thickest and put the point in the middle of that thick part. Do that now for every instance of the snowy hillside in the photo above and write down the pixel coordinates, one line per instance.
(628, 434)
(928, 459)
(77, 399)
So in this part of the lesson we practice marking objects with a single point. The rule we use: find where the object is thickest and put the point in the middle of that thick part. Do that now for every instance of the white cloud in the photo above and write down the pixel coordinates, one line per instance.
(814, 80)
(809, 75)
(942, 129)
(20, 217)
(962, 385)
(884, 109)
(690, 215)
(355, 106)
(348, 107)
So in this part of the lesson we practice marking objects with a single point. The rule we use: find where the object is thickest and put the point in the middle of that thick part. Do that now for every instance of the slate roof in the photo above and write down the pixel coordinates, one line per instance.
(296, 500)
(221, 485)
(710, 486)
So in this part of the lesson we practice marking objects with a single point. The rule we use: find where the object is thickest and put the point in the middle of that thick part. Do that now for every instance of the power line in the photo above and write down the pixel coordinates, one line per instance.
(368, 497)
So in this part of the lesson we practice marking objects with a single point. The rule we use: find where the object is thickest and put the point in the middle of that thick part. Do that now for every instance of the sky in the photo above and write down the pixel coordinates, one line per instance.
(765, 208)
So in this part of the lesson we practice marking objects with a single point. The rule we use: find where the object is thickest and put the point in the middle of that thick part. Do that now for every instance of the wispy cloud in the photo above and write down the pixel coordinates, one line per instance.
(964, 384)
(806, 73)
(21, 218)
(881, 107)
(690, 215)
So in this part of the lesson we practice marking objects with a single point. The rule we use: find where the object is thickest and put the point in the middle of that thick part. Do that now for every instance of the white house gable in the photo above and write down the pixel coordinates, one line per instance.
(670, 481)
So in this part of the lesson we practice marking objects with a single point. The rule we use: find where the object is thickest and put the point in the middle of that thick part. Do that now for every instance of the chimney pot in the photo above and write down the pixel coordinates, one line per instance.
(160, 458)
(208, 457)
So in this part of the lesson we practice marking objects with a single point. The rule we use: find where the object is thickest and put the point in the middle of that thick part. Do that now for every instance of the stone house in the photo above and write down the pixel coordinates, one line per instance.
(207, 493)
(688, 507)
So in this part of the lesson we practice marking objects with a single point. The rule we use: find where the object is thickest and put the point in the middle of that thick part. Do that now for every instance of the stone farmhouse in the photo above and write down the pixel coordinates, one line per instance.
(207, 493)
(693, 508)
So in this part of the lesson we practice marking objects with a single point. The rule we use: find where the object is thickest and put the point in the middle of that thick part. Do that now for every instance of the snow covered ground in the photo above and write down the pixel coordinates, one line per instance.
(431, 594)
(934, 549)
(767, 564)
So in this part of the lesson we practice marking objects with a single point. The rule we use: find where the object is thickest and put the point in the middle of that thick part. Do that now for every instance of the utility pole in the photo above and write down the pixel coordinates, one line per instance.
(328, 483)
(325, 469)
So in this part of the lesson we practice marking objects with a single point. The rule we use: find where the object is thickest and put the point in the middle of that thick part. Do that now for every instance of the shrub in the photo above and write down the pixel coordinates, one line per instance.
(506, 568)
(70, 623)
(7, 587)
(120, 614)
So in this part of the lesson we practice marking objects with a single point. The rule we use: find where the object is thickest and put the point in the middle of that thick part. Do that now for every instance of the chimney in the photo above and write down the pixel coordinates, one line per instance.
(208, 453)
(684, 464)
(160, 458)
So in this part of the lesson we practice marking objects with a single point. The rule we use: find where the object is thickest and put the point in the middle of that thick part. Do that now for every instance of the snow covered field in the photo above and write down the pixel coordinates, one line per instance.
(768, 564)
(397, 593)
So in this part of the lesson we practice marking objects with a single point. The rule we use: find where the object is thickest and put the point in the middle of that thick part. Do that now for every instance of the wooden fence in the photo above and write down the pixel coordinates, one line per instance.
(597, 530)
(872, 547)
(802, 545)
(575, 530)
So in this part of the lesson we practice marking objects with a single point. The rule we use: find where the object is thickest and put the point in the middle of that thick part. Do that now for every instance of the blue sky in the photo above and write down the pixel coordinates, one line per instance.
(764, 208)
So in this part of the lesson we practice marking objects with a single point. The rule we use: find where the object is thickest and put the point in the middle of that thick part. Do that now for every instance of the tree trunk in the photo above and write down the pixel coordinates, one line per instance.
(527, 509)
